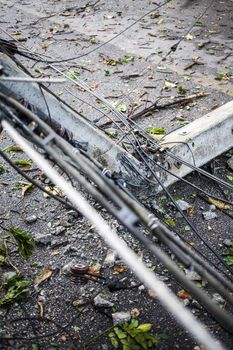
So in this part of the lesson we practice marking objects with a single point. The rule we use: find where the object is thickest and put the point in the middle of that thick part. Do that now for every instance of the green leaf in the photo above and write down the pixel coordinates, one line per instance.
(113, 340)
(16, 288)
(2, 260)
(228, 256)
(230, 178)
(156, 131)
(24, 242)
(120, 333)
(2, 169)
(35, 347)
(73, 74)
(93, 40)
(133, 324)
(107, 73)
(126, 59)
(122, 107)
(199, 24)
(22, 162)
(170, 222)
(146, 327)
(228, 260)
(111, 62)
(181, 90)
(13, 148)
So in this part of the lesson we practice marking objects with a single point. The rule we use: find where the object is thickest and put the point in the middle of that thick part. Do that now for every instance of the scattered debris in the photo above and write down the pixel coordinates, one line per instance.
(99, 301)
(184, 206)
(121, 317)
(45, 274)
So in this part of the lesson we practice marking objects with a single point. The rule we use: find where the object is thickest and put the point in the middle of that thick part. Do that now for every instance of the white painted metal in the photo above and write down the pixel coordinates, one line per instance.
(203, 139)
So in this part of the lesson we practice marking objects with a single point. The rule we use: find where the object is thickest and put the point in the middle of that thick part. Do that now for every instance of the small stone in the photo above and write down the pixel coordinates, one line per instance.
(192, 275)
(65, 223)
(121, 317)
(152, 294)
(101, 302)
(141, 288)
(111, 132)
(110, 258)
(217, 298)
(212, 207)
(30, 219)
(183, 204)
(228, 242)
(66, 268)
(230, 163)
(59, 230)
(209, 215)
(196, 304)
(185, 302)
(43, 238)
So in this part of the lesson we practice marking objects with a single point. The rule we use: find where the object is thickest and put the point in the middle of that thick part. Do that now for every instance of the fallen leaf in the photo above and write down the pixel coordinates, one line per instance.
(182, 294)
(120, 268)
(219, 204)
(73, 74)
(26, 188)
(13, 148)
(53, 190)
(161, 21)
(169, 84)
(156, 131)
(22, 162)
(190, 212)
(41, 308)
(189, 37)
(16, 33)
(95, 269)
(55, 252)
(24, 241)
(45, 274)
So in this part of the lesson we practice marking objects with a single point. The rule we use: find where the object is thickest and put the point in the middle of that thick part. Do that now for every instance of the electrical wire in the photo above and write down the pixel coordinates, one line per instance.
(161, 256)
(111, 238)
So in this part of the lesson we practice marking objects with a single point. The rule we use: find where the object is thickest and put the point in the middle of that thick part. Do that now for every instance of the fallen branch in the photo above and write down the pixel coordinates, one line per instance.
(147, 111)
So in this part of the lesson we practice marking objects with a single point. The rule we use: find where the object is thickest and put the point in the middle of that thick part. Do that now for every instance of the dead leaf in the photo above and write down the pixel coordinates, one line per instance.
(94, 86)
(219, 204)
(13, 148)
(182, 294)
(16, 33)
(190, 212)
(53, 190)
(55, 252)
(41, 308)
(189, 37)
(26, 188)
(120, 268)
(169, 84)
(45, 274)
(95, 269)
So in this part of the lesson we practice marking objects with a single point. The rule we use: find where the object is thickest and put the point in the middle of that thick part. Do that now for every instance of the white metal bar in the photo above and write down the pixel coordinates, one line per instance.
(33, 80)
